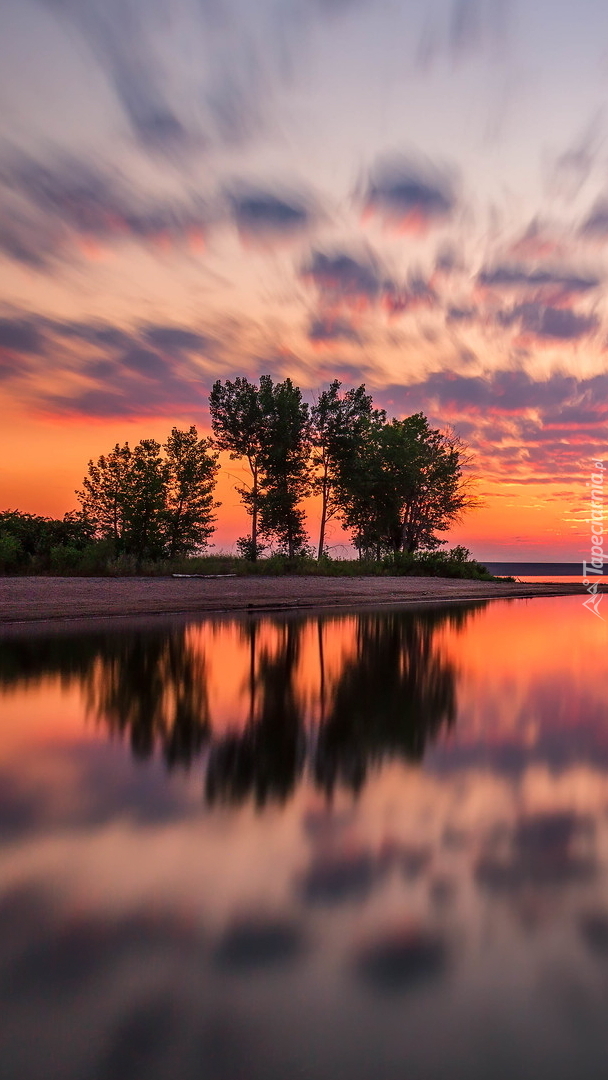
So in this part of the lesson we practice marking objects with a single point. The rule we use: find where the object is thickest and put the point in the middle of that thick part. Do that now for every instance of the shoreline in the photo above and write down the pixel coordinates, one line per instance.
(29, 602)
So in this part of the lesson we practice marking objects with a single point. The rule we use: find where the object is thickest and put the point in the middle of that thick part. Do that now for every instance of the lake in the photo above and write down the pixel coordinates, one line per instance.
(354, 846)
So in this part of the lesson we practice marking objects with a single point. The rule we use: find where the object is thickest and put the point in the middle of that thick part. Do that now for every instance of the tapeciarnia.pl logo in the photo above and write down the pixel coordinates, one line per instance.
(596, 566)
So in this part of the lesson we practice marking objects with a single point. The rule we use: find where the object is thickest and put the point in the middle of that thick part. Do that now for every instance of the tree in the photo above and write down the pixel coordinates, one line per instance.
(406, 484)
(103, 498)
(148, 505)
(144, 502)
(238, 427)
(285, 465)
(338, 422)
(430, 489)
(269, 426)
(191, 477)
(361, 495)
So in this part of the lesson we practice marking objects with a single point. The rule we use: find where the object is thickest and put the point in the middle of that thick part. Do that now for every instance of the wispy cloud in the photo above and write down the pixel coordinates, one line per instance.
(50, 205)
(410, 195)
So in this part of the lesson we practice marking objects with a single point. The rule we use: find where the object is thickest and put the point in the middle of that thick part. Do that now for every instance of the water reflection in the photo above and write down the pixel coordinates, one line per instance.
(365, 890)
(391, 694)
(266, 758)
(393, 697)
(152, 689)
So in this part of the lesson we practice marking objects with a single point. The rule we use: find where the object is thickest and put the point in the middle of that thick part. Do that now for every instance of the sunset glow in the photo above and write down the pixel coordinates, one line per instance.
(405, 195)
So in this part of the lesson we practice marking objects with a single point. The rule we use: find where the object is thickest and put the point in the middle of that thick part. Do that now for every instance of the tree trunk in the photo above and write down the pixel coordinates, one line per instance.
(251, 630)
(323, 520)
(175, 529)
(321, 670)
(254, 515)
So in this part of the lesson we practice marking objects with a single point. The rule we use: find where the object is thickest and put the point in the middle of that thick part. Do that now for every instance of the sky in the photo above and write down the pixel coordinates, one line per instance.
(408, 194)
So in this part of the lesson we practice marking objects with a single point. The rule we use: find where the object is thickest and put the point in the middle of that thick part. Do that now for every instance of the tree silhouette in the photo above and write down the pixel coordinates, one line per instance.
(266, 760)
(393, 697)
(153, 688)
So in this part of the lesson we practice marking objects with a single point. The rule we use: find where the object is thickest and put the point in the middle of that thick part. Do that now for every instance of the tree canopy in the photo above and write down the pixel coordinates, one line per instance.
(151, 504)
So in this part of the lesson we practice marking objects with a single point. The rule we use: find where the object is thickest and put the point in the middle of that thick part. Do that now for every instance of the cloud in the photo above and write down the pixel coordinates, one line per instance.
(546, 294)
(506, 391)
(561, 324)
(594, 932)
(327, 329)
(337, 7)
(340, 278)
(64, 201)
(136, 382)
(409, 196)
(596, 225)
(572, 168)
(20, 335)
(174, 338)
(146, 370)
(465, 25)
(477, 25)
(509, 277)
(417, 293)
(348, 287)
(243, 56)
(265, 215)
(461, 314)
(93, 333)
(339, 879)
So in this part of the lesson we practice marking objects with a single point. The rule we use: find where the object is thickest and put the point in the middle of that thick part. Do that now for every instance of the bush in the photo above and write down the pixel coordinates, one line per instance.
(455, 563)
(10, 550)
(95, 559)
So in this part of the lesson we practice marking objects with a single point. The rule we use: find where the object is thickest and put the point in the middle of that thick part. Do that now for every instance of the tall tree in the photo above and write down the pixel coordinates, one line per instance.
(429, 488)
(285, 465)
(406, 484)
(361, 487)
(145, 501)
(238, 427)
(338, 423)
(269, 426)
(191, 477)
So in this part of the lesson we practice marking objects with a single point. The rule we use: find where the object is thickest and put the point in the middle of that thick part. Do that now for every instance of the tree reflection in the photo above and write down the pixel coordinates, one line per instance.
(392, 695)
(153, 688)
(392, 698)
(149, 686)
(266, 759)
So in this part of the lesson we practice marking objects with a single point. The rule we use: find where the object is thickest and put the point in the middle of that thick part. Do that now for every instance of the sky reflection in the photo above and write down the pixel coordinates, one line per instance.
(391, 896)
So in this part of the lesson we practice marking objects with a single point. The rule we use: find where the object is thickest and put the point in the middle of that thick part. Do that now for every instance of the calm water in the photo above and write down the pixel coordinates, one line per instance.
(355, 847)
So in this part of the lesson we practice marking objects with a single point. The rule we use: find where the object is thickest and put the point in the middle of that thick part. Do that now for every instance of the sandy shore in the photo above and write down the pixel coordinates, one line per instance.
(37, 599)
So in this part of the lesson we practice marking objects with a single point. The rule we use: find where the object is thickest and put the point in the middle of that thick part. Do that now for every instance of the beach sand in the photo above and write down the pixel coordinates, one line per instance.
(40, 599)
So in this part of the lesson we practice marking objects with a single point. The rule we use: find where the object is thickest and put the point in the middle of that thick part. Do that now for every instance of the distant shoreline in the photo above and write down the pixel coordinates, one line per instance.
(537, 569)
(31, 601)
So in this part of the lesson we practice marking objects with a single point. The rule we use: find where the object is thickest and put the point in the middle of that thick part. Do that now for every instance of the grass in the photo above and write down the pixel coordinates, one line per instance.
(95, 561)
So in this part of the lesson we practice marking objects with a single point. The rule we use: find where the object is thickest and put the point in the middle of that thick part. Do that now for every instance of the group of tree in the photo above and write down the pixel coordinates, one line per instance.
(153, 501)
(149, 502)
(393, 485)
